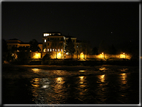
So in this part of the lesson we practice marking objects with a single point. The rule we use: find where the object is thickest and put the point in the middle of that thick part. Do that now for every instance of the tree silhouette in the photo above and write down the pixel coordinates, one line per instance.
(34, 46)
(95, 51)
(70, 47)
(103, 47)
(112, 49)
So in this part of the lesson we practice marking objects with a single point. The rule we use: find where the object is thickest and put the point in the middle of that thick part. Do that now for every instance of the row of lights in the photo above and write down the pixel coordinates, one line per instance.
(53, 50)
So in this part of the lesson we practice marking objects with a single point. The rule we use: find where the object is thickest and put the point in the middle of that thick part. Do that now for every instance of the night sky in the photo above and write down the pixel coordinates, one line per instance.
(115, 23)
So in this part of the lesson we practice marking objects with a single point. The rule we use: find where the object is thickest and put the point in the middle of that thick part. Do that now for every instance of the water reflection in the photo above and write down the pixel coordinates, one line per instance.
(81, 70)
(58, 72)
(124, 69)
(82, 79)
(40, 87)
(123, 78)
(101, 91)
(82, 89)
(35, 82)
(123, 96)
(60, 89)
(101, 78)
(102, 68)
(36, 70)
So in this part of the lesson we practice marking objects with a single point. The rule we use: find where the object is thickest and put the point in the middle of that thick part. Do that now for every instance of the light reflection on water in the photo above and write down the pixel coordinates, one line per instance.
(60, 87)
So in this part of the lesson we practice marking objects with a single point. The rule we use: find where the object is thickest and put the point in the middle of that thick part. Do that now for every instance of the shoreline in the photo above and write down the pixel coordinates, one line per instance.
(61, 66)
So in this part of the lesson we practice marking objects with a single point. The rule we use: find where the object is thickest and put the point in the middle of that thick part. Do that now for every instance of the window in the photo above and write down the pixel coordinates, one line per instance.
(50, 50)
(44, 50)
(58, 50)
(44, 40)
(61, 50)
(53, 49)
(46, 34)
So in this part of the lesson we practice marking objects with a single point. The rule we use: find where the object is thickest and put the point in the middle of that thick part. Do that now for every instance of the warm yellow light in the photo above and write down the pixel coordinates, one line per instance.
(12, 54)
(122, 55)
(81, 70)
(102, 68)
(59, 55)
(37, 55)
(124, 76)
(36, 70)
(59, 80)
(102, 78)
(44, 50)
(81, 77)
(100, 56)
(81, 55)
(102, 53)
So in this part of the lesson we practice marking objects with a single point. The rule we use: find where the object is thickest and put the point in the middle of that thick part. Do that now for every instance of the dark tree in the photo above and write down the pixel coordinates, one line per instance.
(34, 46)
(95, 51)
(112, 50)
(70, 47)
(103, 47)
(46, 59)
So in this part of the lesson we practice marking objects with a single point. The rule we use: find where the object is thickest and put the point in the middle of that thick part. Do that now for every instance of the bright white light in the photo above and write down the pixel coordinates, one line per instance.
(58, 50)
(46, 34)
(50, 49)
(44, 40)
(45, 86)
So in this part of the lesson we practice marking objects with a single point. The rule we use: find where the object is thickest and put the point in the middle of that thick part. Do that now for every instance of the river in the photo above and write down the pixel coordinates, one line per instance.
(99, 85)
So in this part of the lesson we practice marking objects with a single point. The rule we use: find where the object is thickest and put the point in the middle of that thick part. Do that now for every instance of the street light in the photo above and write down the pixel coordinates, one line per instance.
(125, 55)
(104, 54)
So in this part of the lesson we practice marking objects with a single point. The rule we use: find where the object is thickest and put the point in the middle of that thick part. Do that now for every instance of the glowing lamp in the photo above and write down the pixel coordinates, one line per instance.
(46, 34)
(37, 55)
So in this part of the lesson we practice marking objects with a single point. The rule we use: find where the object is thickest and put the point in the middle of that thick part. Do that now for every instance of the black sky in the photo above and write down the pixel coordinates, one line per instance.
(93, 21)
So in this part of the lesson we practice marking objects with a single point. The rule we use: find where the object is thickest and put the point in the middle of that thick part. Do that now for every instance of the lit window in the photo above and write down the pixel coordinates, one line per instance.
(44, 50)
(50, 49)
(44, 40)
(58, 50)
(53, 49)
(46, 34)
(61, 50)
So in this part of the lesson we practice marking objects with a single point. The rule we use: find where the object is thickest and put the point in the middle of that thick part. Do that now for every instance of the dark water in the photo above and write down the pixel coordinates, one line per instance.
(101, 85)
